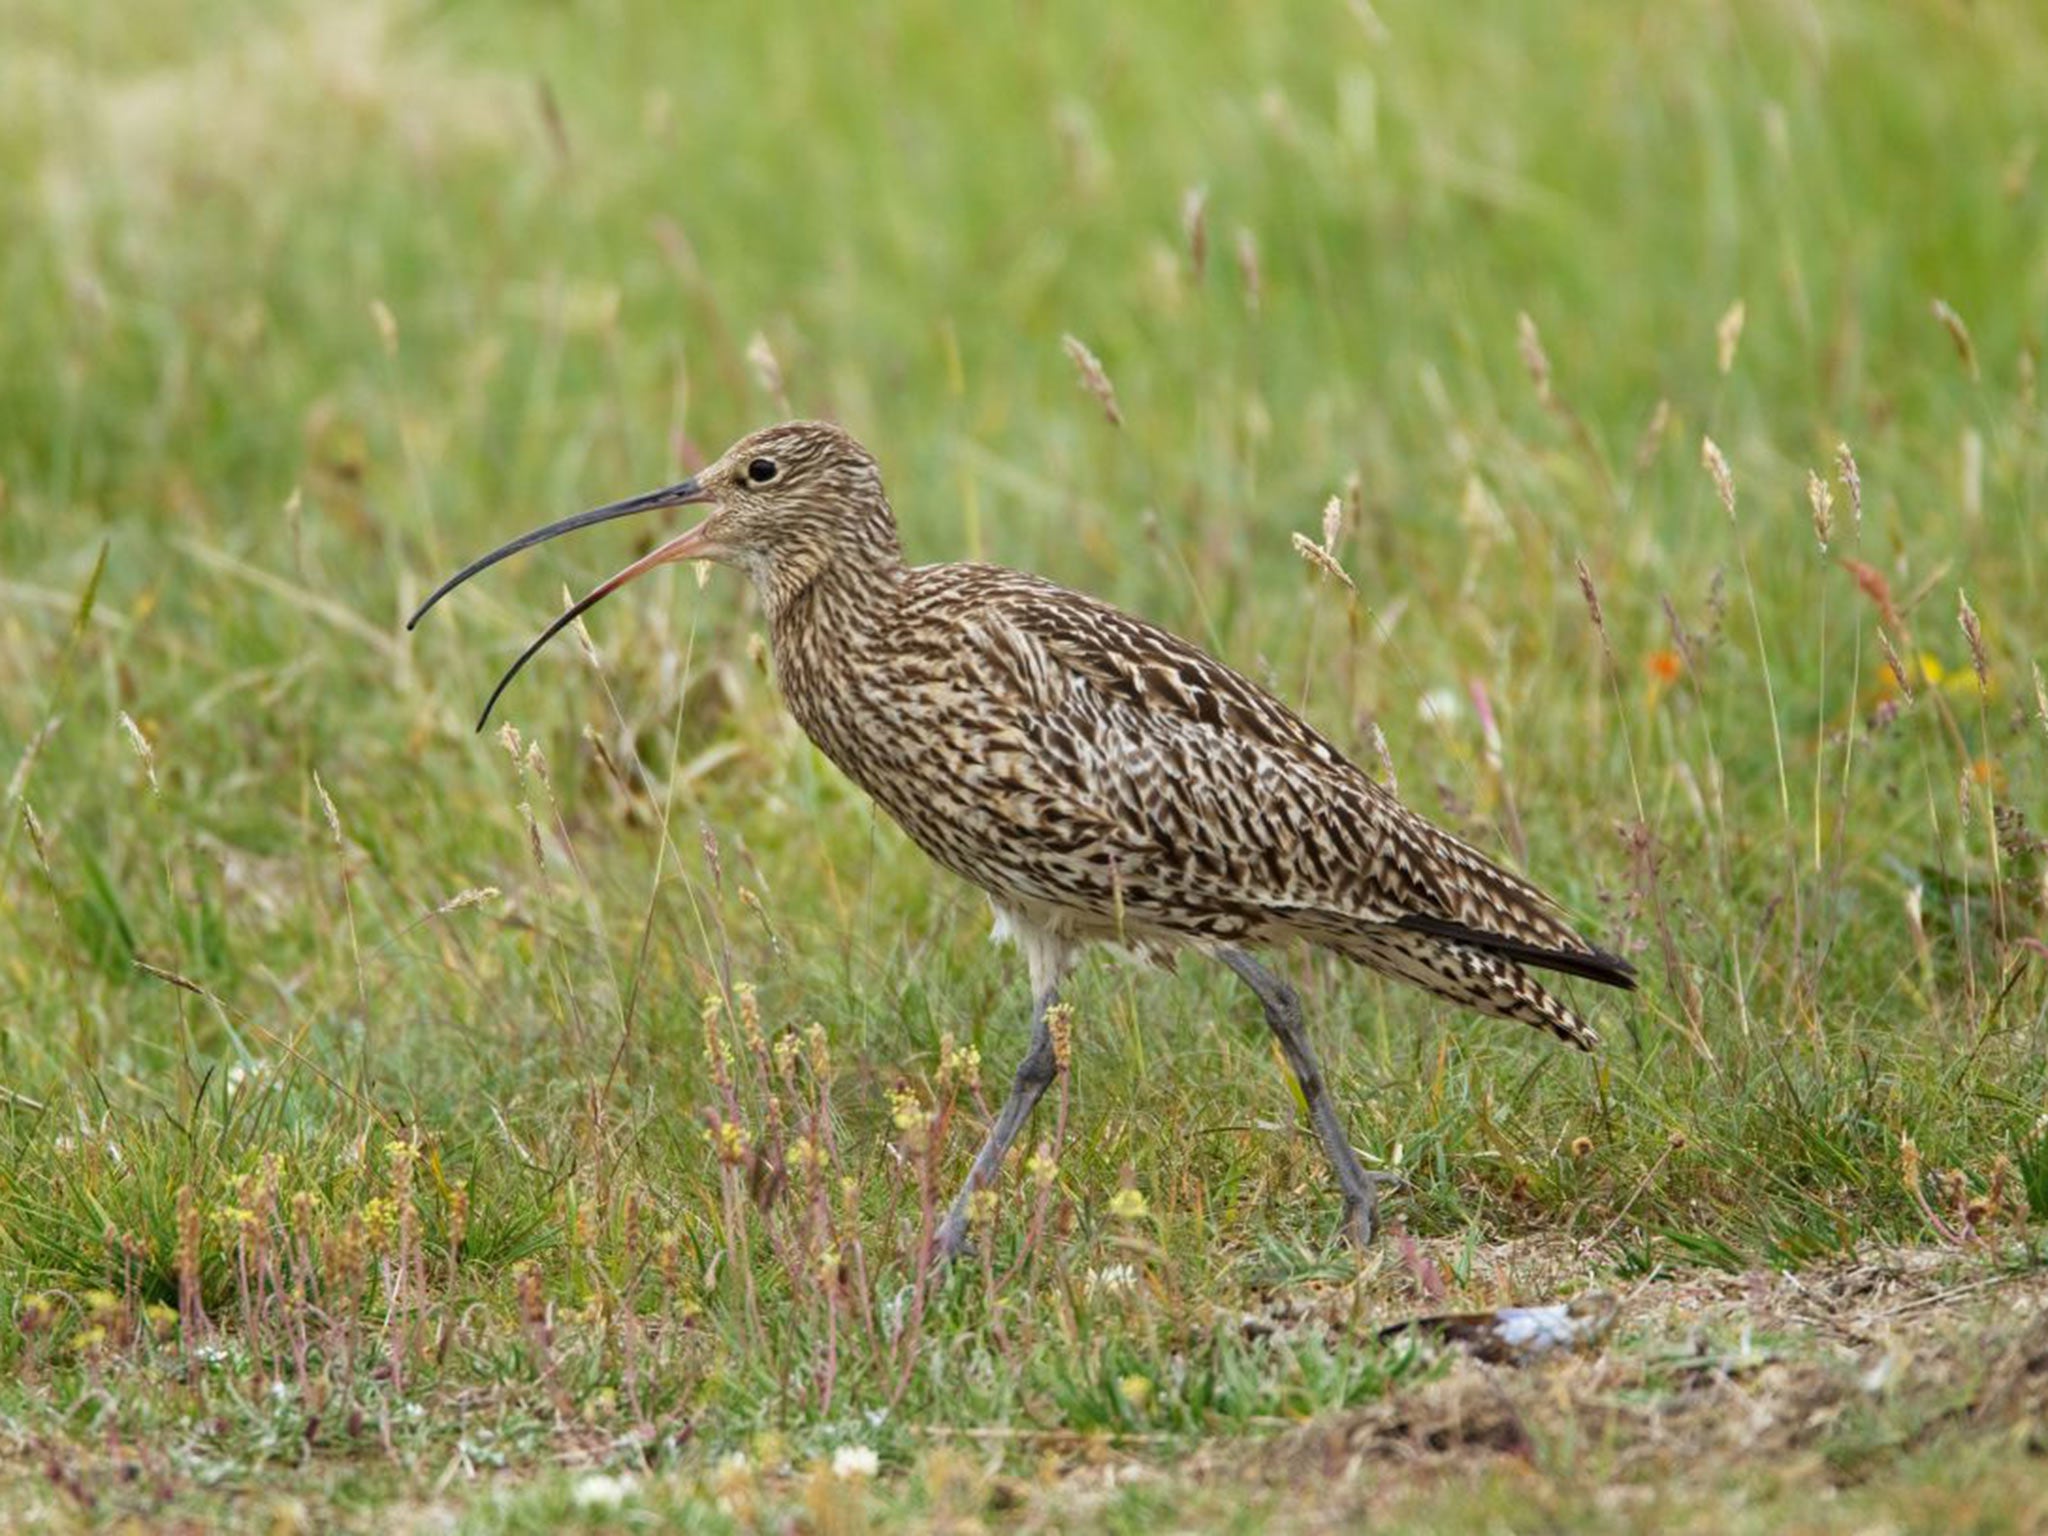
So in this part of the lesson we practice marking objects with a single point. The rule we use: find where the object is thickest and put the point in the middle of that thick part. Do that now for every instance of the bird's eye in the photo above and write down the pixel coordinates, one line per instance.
(761, 471)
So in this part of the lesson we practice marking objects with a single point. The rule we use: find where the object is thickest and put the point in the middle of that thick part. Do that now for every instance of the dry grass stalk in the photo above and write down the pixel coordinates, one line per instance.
(387, 326)
(2040, 697)
(1094, 379)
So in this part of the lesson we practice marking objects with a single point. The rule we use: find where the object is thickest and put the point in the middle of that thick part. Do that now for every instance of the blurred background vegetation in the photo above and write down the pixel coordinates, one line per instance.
(305, 304)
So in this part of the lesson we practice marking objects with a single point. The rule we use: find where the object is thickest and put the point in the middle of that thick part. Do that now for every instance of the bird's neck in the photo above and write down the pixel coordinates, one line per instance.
(832, 598)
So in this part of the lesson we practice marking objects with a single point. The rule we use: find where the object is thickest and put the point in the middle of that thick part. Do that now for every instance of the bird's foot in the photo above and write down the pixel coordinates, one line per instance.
(951, 1241)
(1362, 1209)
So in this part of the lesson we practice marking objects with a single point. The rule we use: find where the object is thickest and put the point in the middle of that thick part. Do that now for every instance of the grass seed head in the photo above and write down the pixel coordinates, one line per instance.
(1529, 342)
(1822, 500)
(1958, 333)
(767, 370)
(1973, 631)
(1248, 267)
(1386, 757)
(1194, 227)
(36, 839)
(1716, 464)
(1059, 1023)
(1852, 482)
(327, 809)
(143, 752)
(1592, 596)
(1728, 335)
(1893, 664)
(1651, 443)
(1320, 558)
(1094, 378)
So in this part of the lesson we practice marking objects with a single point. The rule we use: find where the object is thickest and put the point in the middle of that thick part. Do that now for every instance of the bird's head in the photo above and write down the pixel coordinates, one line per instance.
(783, 504)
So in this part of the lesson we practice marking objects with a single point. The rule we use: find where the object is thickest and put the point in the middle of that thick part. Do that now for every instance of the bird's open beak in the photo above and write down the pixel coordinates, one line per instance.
(694, 545)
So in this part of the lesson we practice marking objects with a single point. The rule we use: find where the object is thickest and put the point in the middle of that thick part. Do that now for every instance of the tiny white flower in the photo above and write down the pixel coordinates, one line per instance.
(855, 1461)
(1440, 705)
(600, 1490)
(1111, 1278)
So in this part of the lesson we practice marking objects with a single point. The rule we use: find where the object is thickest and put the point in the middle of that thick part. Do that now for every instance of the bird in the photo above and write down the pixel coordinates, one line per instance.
(1100, 779)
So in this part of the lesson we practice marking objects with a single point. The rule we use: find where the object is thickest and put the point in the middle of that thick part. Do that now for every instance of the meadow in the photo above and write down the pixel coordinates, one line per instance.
(1619, 425)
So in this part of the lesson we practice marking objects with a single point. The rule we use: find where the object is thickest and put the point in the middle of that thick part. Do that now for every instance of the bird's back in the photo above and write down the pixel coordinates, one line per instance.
(1084, 765)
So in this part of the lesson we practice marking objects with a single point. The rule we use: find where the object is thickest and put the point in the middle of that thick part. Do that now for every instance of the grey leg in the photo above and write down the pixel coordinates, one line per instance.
(1283, 1017)
(1035, 1074)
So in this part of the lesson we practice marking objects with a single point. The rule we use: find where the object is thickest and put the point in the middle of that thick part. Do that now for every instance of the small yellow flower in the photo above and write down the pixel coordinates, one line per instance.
(1136, 1390)
(729, 1138)
(1128, 1204)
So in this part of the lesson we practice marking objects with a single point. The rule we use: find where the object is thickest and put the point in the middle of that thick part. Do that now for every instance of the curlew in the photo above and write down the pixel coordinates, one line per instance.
(1099, 778)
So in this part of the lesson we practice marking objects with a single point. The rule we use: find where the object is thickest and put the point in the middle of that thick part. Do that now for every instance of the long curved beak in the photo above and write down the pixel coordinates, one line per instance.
(688, 546)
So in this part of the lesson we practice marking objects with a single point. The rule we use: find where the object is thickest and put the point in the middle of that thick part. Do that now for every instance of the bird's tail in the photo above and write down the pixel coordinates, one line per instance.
(1469, 976)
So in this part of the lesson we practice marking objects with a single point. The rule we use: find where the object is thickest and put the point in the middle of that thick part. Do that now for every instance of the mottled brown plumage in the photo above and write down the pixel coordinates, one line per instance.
(1099, 778)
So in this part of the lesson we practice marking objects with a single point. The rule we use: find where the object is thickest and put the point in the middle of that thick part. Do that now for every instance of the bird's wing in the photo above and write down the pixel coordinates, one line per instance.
(1220, 792)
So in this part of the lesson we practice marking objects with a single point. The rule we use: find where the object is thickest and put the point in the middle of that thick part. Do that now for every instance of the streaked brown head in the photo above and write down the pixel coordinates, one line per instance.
(785, 503)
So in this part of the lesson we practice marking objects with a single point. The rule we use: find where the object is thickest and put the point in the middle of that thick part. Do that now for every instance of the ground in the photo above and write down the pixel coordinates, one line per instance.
(1620, 427)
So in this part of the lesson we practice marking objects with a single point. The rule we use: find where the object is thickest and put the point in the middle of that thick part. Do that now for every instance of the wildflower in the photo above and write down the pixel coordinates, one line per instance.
(1135, 1390)
(1128, 1204)
(1665, 668)
(959, 1065)
(1582, 1146)
(1440, 705)
(600, 1490)
(730, 1140)
(853, 1462)
(1113, 1279)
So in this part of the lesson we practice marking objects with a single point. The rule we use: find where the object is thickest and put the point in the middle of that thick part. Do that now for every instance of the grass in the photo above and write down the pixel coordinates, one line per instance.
(399, 1126)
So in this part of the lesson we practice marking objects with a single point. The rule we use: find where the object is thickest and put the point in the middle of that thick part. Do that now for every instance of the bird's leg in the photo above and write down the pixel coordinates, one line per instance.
(1035, 1074)
(1283, 1017)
